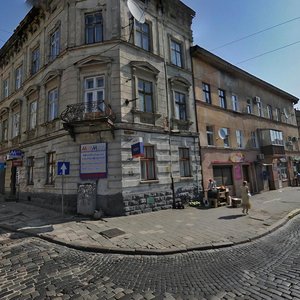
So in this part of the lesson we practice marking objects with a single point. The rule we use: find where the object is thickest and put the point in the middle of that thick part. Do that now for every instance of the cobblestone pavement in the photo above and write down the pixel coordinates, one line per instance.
(267, 268)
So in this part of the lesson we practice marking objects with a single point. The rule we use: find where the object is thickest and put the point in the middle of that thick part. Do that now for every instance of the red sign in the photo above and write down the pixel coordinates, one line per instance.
(17, 163)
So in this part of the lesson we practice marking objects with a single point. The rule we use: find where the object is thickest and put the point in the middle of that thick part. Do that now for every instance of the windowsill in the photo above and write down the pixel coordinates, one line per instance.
(186, 178)
(50, 122)
(140, 112)
(149, 181)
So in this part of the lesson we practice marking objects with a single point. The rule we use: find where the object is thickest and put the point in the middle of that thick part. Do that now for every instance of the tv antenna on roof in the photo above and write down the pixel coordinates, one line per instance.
(136, 11)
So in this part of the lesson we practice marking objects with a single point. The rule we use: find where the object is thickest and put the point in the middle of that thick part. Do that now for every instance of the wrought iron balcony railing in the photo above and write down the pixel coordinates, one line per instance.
(87, 111)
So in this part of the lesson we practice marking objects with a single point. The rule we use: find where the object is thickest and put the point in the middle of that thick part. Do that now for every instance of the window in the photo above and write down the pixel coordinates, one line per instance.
(54, 44)
(184, 162)
(270, 112)
(5, 88)
(142, 35)
(249, 106)
(50, 168)
(176, 54)
(210, 135)
(94, 93)
(18, 74)
(15, 124)
(239, 138)
(35, 61)
(180, 106)
(276, 137)
(277, 114)
(4, 130)
(206, 92)
(32, 114)
(223, 175)
(145, 91)
(93, 28)
(222, 99)
(260, 109)
(29, 169)
(254, 142)
(148, 164)
(235, 104)
(52, 104)
(226, 137)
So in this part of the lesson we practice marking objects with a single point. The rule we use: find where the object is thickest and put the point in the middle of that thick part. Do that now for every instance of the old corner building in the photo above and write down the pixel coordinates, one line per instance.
(83, 81)
(248, 128)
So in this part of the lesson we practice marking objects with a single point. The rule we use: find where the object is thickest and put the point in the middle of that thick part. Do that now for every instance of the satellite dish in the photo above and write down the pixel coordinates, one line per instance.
(136, 11)
(285, 113)
(222, 133)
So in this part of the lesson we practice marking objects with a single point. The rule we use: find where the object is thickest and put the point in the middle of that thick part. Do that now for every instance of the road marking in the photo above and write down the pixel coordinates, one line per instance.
(276, 199)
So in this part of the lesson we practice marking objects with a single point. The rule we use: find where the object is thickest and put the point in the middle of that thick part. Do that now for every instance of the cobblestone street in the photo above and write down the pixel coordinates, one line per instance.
(268, 268)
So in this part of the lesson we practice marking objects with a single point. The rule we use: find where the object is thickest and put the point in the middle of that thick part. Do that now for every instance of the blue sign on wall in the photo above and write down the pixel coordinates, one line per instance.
(63, 168)
(137, 150)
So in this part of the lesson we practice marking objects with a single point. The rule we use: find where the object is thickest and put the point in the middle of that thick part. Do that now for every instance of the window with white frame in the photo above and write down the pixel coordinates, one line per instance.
(206, 92)
(145, 92)
(29, 169)
(15, 124)
(54, 44)
(277, 114)
(249, 106)
(210, 135)
(32, 115)
(148, 164)
(142, 36)
(260, 109)
(93, 28)
(239, 138)
(94, 94)
(254, 142)
(35, 60)
(180, 106)
(184, 162)
(222, 98)
(52, 104)
(235, 103)
(5, 88)
(18, 78)
(50, 167)
(176, 54)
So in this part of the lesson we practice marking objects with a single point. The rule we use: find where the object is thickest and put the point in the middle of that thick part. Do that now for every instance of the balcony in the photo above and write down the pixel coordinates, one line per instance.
(273, 150)
(87, 117)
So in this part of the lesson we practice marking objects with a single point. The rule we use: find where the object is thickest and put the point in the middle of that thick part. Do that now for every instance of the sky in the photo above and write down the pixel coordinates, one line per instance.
(261, 37)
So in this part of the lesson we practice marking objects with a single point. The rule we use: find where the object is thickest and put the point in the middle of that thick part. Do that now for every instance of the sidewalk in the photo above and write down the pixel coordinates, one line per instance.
(162, 232)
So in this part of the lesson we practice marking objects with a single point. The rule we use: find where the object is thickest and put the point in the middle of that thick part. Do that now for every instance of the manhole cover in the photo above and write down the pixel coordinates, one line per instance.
(111, 233)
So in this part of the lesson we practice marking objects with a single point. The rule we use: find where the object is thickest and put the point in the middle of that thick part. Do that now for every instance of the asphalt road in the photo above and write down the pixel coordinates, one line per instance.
(268, 268)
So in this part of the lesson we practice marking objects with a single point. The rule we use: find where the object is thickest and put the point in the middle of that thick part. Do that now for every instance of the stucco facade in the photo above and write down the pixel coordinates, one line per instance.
(83, 73)
(248, 129)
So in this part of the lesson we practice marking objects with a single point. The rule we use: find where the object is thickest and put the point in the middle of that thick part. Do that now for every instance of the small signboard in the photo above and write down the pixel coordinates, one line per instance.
(63, 168)
(17, 163)
(137, 149)
(15, 154)
(93, 161)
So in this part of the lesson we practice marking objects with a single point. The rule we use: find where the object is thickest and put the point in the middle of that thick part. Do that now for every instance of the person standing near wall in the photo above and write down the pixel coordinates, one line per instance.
(245, 197)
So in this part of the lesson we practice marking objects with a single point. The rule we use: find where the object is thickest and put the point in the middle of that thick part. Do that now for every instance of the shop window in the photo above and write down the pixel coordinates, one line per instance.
(184, 162)
(148, 164)
(223, 175)
(29, 171)
(50, 168)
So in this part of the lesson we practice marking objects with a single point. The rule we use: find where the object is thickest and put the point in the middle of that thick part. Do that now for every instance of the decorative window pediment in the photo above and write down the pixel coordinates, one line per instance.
(17, 102)
(93, 60)
(144, 66)
(50, 76)
(181, 81)
(31, 89)
(4, 111)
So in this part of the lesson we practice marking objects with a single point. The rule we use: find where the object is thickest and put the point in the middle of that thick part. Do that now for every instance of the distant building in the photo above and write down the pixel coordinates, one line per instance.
(83, 81)
(248, 129)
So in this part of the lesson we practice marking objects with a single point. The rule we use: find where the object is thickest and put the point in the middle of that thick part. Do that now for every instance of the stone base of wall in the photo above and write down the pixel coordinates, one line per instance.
(111, 205)
(51, 201)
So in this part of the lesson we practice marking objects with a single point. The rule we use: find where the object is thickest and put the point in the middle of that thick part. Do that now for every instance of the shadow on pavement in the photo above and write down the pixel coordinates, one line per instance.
(231, 217)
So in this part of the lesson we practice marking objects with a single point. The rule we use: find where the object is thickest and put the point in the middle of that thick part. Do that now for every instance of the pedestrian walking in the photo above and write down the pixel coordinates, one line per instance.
(245, 197)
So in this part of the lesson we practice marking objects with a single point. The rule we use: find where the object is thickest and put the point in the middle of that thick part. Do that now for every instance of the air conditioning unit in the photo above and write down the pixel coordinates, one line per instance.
(260, 156)
(294, 139)
(289, 138)
(256, 99)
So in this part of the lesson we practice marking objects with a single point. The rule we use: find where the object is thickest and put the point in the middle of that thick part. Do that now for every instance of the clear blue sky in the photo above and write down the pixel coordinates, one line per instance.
(219, 22)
